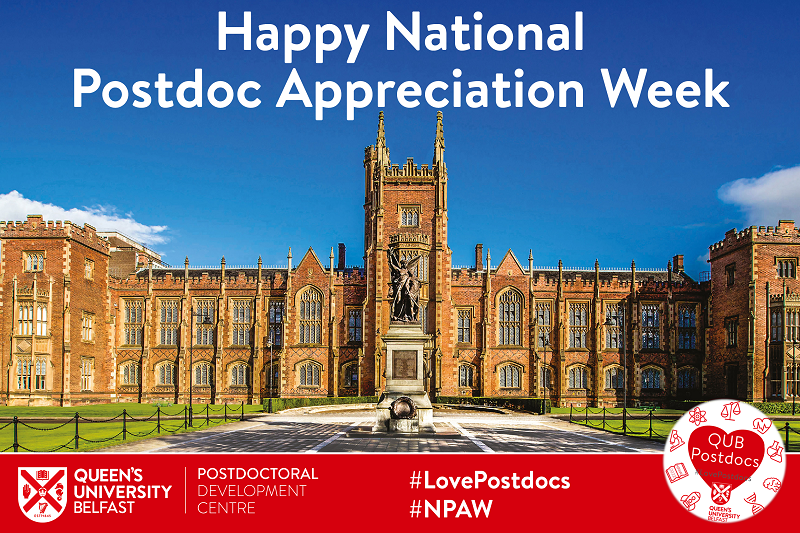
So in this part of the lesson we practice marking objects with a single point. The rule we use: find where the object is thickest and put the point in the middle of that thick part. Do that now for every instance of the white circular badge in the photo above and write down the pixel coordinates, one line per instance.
(724, 461)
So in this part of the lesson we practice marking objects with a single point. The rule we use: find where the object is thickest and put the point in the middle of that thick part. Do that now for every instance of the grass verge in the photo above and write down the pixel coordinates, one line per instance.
(100, 432)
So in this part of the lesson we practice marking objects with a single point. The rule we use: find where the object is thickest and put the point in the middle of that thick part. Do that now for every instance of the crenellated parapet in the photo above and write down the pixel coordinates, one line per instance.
(355, 276)
(465, 276)
(784, 232)
(395, 172)
(35, 227)
(409, 238)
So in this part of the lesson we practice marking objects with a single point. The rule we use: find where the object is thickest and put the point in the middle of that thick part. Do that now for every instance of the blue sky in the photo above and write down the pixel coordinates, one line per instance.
(571, 183)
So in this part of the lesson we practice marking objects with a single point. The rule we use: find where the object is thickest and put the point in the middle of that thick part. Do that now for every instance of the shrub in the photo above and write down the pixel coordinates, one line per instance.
(533, 405)
(774, 408)
(279, 404)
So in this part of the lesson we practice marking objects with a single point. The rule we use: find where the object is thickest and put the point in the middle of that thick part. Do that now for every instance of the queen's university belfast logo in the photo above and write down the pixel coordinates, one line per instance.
(42, 492)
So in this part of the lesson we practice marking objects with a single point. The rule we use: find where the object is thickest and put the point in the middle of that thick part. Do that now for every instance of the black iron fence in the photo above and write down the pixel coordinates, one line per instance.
(650, 426)
(186, 419)
(627, 424)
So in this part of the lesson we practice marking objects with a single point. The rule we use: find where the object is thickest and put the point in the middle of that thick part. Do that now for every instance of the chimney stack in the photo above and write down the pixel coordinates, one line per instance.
(677, 263)
(342, 256)
(478, 257)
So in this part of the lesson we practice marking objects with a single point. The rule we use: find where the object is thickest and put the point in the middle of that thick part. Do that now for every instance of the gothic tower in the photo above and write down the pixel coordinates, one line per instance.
(405, 209)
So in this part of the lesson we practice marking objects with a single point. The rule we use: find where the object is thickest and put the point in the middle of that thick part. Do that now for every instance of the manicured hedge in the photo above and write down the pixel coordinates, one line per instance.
(279, 404)
(683, 405)
(768, 408)
(533, 405)
(775, 408)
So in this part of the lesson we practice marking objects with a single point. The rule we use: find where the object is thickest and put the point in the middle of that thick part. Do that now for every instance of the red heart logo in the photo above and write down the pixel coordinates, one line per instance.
(722, 457)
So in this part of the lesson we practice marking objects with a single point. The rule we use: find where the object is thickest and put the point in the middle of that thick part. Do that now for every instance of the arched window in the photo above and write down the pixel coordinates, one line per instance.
(41, 320)
(466, 375)
(241, 322)
(614, 378)
(130, 373)
(24, 369)
(87, 381)
(26, 319)
(133, 322)
(204, 321)
(41, 374)
(776, 320)
(203, 374)
(510, 318)
(166, 374)
(578, 324)
(309, 375)
(311, 316)
(510, 376)
(350, 374)
(239, 375)
(651, 332)
(687, 378)
(651, 378)
(578, 378)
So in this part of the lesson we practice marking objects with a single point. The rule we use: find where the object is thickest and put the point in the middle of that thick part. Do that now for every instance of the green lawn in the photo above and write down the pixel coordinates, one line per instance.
(92, 435)
(40, 437)
(636, 427)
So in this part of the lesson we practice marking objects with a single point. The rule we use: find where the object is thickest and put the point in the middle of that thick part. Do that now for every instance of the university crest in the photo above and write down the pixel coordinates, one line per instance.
(42, 492)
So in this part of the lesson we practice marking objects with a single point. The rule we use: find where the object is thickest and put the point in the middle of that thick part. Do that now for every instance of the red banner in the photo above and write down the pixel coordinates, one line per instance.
(393, 492)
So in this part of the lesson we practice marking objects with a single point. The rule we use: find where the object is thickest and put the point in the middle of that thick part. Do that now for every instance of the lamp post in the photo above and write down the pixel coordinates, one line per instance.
(794, 374)
(544, 377)
(609, 322)
(271, 371)
(541, 358)
(206, 320)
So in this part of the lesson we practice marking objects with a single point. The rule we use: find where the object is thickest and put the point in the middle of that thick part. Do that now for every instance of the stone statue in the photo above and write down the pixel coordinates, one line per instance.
(404, 288)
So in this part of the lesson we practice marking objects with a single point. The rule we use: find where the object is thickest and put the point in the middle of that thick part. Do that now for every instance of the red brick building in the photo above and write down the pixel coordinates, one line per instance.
(89, 317)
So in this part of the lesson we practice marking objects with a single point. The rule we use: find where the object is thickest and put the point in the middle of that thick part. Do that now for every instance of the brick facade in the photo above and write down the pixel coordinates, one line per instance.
(314, 328)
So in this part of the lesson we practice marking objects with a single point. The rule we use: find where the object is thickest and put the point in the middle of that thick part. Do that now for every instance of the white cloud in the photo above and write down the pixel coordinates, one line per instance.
(765, 200)
(14, 206)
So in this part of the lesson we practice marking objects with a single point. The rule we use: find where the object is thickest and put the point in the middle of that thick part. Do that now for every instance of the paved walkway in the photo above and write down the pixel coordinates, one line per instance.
(300, 430)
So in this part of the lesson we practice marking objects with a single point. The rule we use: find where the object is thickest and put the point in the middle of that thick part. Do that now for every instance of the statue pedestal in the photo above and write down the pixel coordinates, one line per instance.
(405, 406)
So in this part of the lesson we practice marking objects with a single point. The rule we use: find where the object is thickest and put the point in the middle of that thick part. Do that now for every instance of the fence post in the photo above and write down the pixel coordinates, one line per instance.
(624, 420)
(226, 411)
(604, 418)
(16, 443)
(651, 424)
(570, 412)
(586, 418)
(158, 415)
(184, 417)
(206, 414)
(76, 431)
(786, 428)
(124, 427)
(242, 418)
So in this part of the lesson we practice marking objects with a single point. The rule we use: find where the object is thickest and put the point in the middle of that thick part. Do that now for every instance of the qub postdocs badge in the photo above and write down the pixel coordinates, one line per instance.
(724, 461)
(42, 492)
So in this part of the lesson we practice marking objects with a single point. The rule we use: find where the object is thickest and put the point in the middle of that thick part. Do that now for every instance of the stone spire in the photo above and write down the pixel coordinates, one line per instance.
(438, 143)
(530, 263)
(597, 279)
(380, 143)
